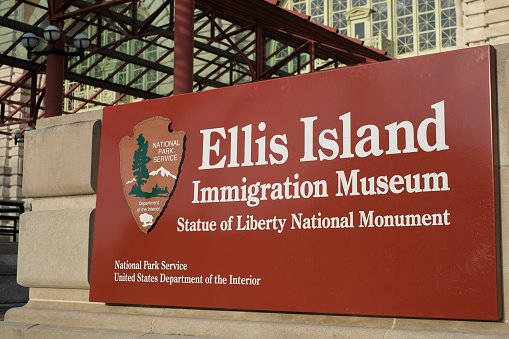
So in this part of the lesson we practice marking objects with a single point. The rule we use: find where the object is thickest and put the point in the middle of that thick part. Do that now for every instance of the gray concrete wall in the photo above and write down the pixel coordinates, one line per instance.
(54, 257)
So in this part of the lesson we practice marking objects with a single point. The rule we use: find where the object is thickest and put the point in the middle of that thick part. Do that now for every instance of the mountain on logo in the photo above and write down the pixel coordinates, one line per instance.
(131, 181)
(163, 172)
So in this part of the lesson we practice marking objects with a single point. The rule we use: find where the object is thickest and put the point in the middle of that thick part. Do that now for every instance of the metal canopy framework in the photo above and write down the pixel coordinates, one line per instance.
(132, 51)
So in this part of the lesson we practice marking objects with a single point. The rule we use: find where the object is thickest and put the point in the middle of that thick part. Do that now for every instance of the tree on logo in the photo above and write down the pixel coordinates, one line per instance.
(140, 171)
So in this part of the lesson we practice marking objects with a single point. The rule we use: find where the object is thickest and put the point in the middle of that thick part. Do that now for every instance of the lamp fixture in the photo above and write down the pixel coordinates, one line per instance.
(18, 137)
(52, 34)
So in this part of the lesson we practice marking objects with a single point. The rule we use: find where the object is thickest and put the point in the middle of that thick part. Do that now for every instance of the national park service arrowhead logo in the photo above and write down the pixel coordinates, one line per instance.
(150, 165)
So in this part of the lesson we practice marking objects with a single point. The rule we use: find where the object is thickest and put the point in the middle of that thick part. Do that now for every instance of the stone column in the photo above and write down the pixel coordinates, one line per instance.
(60, 167)
(481, 22)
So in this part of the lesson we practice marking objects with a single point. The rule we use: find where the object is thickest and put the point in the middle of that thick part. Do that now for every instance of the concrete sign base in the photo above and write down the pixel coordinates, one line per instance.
(79, 319)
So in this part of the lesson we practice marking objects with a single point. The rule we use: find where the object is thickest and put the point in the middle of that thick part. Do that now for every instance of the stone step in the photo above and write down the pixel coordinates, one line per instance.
(5, 307)
(11, 294)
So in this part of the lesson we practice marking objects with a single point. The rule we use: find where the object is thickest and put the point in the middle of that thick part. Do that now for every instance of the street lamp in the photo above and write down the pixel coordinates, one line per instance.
(18, 137)
(52, 34)
(55, 63)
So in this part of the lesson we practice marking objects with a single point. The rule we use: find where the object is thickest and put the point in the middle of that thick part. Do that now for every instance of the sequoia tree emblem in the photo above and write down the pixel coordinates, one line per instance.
(150, 163)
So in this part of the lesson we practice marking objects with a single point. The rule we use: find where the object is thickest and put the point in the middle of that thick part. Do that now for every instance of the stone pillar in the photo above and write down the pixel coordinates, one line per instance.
(61, 171)
(502, 119)
(481, 22)
(184, 47)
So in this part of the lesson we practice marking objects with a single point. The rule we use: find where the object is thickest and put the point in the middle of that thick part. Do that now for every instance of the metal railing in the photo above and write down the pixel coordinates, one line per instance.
(10, 210)
(380, 43)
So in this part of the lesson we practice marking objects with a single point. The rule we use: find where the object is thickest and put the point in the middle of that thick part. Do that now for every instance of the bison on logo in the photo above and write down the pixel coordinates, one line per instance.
(150, 163)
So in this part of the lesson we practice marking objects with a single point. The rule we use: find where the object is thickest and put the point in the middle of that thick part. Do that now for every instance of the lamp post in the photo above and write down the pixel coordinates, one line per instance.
(52, 35)
(184, 47)
(55, 63)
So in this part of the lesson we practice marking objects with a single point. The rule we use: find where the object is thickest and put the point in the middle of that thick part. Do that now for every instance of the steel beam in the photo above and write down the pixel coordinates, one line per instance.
(91, 8)
(83, 79)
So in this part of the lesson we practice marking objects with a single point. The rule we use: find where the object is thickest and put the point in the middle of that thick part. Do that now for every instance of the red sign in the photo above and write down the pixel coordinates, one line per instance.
(365, 190)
